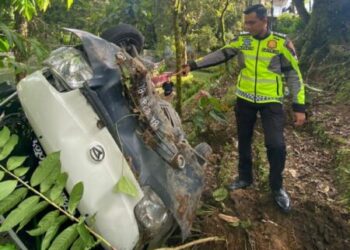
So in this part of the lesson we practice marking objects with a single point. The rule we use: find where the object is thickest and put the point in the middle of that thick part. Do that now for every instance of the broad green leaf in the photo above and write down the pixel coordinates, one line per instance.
(59, 186)
(9, 146)
(65, 239)
(4, 45)
(124, 185)
(43, 4)
(15, 161)
(4, 136)
(45, 168)
(78, 244)
(28, 9)
(69, 3)
(2, 174)
(85, 234)
(44, 223)
(6, 188)
(75, 197)
(218, 116)
(21, 171)
(12, 200)
(50, 180)
(220, 194)
(32, 212)
(52, 231)
(17, 215)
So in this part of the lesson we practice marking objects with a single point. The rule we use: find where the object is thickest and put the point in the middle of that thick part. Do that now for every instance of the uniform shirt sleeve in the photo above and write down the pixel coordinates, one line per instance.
(217, 57)
(290, 68)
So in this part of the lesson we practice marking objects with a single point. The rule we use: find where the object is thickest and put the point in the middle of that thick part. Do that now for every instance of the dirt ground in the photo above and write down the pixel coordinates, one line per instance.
(248, 219)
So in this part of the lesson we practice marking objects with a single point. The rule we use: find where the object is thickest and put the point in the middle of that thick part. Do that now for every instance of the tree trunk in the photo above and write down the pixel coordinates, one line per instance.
(329, 25)
(179, 53)
(220, 34)
(21, 27)
(300, 6)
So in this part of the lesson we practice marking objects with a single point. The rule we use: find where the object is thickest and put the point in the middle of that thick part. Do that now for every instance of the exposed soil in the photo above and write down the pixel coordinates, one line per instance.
(318, 219)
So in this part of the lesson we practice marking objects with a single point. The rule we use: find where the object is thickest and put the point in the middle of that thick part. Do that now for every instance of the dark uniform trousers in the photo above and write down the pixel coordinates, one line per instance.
(273, 119)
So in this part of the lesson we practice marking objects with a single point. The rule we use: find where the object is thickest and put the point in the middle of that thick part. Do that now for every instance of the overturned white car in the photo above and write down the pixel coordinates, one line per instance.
(95, 103)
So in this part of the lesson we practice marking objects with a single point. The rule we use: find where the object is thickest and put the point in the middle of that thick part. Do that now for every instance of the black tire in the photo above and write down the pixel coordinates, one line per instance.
(125, 35)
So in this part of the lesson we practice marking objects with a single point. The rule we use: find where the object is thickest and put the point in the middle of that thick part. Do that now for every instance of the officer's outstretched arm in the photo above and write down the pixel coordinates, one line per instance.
(217, 57)
(291, 70)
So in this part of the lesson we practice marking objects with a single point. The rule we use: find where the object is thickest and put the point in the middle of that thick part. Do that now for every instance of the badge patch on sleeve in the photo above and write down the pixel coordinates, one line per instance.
(291, 48)
(272, 44)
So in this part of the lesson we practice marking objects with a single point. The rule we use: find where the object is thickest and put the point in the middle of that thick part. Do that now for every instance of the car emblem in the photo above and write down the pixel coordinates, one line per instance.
(97, 153)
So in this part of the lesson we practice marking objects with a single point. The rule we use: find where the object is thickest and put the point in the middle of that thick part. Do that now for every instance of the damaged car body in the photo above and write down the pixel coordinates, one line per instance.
(95, 103)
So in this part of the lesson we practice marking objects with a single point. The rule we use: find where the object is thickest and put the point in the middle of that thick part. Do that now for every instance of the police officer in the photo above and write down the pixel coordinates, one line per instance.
(263, 58)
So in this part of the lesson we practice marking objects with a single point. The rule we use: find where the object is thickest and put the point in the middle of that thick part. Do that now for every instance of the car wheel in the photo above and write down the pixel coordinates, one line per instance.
(126, 36)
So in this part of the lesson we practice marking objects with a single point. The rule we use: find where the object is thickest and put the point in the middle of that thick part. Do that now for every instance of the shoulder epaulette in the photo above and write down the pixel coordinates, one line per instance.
(280, 35)
(244, 33)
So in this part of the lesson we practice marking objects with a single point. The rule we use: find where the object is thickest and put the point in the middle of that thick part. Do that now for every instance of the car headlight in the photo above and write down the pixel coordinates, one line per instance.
(151, 212)
(69, 64)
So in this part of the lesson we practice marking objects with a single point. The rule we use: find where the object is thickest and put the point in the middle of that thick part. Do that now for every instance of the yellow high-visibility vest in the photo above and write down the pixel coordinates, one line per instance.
(261, 65)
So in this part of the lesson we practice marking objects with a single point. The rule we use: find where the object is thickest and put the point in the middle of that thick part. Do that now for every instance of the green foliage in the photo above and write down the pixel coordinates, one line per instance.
(12, 200)
(75, 196)
(125, 186)
(220, 194)
(52, 231)
(288, 24)
(4, 136)
(44, 223)
(7, 149)
(65, 238)
(17, 215)
(21, 171)
(8, 246)
(59, 186)
(21, 209)
(84, 234)
(208, 108)
(6, 188)
(343, 94)
(41, 173)
(14, 162)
